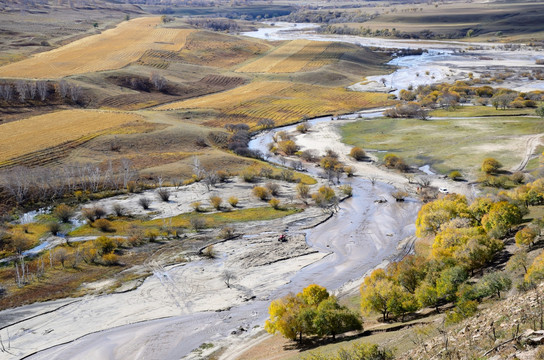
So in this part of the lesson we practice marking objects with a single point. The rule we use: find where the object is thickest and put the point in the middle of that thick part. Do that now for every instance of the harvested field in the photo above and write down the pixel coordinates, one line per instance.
(282, 102)
(41, 132)
(112, 49)
(295, 56)
(220, 50)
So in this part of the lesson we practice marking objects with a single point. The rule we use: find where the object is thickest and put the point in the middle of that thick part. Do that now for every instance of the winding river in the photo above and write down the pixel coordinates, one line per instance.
(359, 237)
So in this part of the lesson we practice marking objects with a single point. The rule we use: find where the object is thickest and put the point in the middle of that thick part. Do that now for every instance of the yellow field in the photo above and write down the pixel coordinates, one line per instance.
(295, 56)
(282, 102)
(112, 49)
(44, 131)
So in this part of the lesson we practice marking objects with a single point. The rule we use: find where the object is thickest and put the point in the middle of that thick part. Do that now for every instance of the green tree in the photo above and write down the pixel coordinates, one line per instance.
(410, 271)
(493, 283)
(332, 318)
(427, 295)
(449, 281)
(540, 111)
(526, 236)
(501, 217)
(379, 293)
(436, 213)
(535, 273)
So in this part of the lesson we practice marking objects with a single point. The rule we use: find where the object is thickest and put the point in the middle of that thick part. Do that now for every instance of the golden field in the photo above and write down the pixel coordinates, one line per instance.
(40, 132)
(295, 56)
(112, 49)
(283, 102)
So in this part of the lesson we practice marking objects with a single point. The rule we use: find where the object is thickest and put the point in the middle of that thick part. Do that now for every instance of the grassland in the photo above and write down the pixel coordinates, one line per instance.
(213, 220)
(295, 56)
(44, 131)
(475, 111)
(112, 49)
(283, 102)
(446, 144)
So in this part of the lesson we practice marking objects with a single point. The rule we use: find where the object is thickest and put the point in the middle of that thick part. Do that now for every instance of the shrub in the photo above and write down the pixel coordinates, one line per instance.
(303, 190)
(287, 175)
(346, 190)
(197, 223)
(349, 171)
(261, 192)
(249, 174)
(118, 210)
(132, 187)
(309, 155)
(275, 203)
(216, 202)
(491, 166)
(63, 212)
(288, 147)
(54, 227)
(518, 177)
(110, 259)
(303, 127)
(226, 232)
(164, 194)
(103, 225)
(233, 201)
(222, 175)
(197, 206)
(357, 153)
(274, 188)
(105, 245)
(91, 214)
(152, 235)
(144, 202)
(266, 172)
(209, 252)
(393, 161)
(399, 195)
(455, 175)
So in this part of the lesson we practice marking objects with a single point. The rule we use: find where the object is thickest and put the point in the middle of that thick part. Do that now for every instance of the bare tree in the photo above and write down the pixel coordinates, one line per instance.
(158, 81)
(63, 88)
(61, 255)
(210, 179)
(75, 92)
(227, 277)
(33, 89)
(42, 89)
(22, 89)
(6, 91)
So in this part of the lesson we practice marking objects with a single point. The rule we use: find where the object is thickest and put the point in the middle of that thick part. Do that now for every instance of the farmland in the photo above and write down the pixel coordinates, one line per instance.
(44, 131)
(112, 49)
(282, 102)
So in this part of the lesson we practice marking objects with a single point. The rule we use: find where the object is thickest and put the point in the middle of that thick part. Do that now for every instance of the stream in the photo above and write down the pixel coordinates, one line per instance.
(360, 236)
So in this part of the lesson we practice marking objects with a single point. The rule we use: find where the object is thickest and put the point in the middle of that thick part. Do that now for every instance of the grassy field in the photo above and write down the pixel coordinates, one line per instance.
(447, 144)
(475, 111)
(283, 102)
(213, 220)
(41, 132)
(295, 56)
(112, 49)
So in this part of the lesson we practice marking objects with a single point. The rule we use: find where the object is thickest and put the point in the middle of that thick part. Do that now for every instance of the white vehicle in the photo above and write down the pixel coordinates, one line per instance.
(443, 190)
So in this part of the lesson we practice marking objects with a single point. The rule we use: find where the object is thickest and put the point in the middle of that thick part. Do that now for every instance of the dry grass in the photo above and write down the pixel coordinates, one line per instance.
(282, 102)
(295, 56)
(44, 131)
(112, 49)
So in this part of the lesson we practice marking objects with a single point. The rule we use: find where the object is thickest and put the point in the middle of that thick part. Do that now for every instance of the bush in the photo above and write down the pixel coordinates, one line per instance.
(249, 175)
(275, 203)
(288, 147)
(309, 155)
(346, 190)
(303, 127)
(357, 153)
(273, 188)
(209, 252)
(144, 202)
(261, 192)
(164, 194)
(103, 225)
(91, 214)
(197, 223)
(152, 235)
(216, 202)
(518, 177)
(197, 206)
(105, 245)
(54, 227)
(399, 195)
(303, 190)
(118, 210)
(455, 175)
(491, 166)
(349, 171)
(233, 201)
(110, 259)
(63, 212)
(393, 161)
(226, 232)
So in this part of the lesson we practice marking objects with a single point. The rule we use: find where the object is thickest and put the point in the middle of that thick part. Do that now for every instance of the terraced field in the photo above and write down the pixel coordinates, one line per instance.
(295, 56)
(282, 102)
(44, 135)
(112, 49)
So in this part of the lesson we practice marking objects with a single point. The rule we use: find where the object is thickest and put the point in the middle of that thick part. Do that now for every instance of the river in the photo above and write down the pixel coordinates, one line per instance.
(359, 237)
